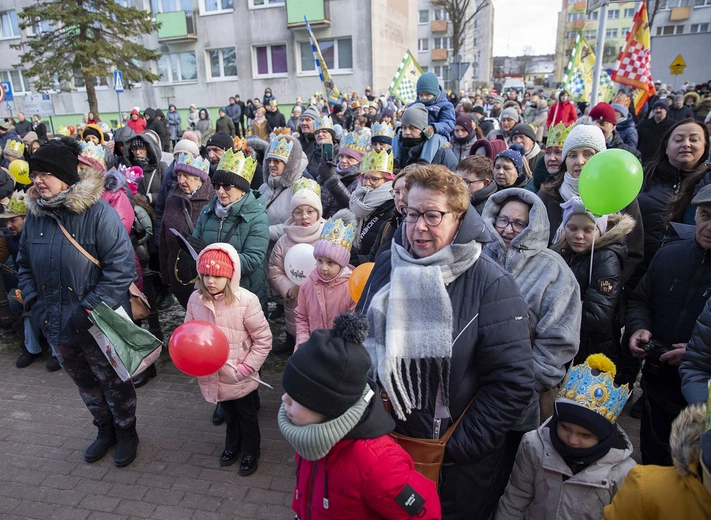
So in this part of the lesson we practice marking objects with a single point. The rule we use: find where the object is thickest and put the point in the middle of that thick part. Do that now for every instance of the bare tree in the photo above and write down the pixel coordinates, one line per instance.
(653, 7)
(525, 62)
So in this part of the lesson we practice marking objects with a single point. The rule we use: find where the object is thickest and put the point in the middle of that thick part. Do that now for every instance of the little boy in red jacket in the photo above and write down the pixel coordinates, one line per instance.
(346, 464)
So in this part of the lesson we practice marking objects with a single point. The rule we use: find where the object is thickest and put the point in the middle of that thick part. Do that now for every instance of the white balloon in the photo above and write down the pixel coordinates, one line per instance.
(299, 262)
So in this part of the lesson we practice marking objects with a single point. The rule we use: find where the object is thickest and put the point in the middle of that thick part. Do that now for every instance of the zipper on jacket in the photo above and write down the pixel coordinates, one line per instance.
(219, 230)
(311, 488)
(437, 426)
(325, 484)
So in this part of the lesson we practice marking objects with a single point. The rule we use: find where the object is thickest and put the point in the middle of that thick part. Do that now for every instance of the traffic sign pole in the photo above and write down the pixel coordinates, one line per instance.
(118, 87)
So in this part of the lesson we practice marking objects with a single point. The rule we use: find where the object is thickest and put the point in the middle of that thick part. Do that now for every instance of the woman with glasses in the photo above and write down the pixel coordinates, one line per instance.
(372, 203)
(448, 328)
(518, 221)
(339, 180)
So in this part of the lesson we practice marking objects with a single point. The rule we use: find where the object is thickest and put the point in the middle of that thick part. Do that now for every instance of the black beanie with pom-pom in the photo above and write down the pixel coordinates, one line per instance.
(328, 373)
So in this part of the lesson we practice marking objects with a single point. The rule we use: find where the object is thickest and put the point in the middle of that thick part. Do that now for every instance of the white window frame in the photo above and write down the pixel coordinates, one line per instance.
(575, 17)
(267, 5)
(591, 34)
(419, 17)
(336, 69)
(109, 83)
(706, 3)
(208, 65)
(255, 65)
(625, 31)
(629, 12)
(19, 31)
(613, 14)
(173, 81)
(219, 10)
(699, 28)
(570, 35)
(441, 11)
(611, 33)
(6, 75)
(425, 47)
(591, 17)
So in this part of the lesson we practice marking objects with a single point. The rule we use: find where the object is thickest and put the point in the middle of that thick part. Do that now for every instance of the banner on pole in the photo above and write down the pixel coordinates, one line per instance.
(330, 90)
(404, 84)
(578, 77)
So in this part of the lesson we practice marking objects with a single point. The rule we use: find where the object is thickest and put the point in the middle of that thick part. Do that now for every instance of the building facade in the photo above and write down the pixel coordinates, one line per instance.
(536, 70)
(213, 49)
(435, 46)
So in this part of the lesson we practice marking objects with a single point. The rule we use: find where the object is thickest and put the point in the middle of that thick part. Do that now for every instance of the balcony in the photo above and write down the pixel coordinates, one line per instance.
(439, 26)
(439, 55)
(177, 26)
(679, 14)
(316, 11)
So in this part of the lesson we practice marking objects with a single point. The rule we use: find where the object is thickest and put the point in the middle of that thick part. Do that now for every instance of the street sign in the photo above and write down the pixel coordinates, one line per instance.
(118, 81)
(594, 4)
(677, 66)
(38, 104)
(8, 105)
(7, 87)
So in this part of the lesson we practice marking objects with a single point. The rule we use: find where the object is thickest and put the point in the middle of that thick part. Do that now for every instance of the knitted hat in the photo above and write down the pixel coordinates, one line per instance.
(58, 157)
(94, 130)
(193, 164)
(388, 113)
(622, 110)
(428, 82)
(510, 113)
(488, 148)
(186, 145)
(514, 155)
(221, 140)
(382, 133)
(335, 241)
(575, 206)
(329, 372)
(524, 129)
(478, 109)
(499, 100)
(604, 112)
(416, 115)
(661, 103)
(307, 192)
(465, 122)
(216, 262)
(584, 135)
(311, 112)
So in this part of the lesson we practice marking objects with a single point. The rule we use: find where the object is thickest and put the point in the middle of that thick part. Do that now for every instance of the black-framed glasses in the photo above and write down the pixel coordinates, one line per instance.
(502, 223)
(468, 182)
(224, 185)
(432, 217)
(40, 175)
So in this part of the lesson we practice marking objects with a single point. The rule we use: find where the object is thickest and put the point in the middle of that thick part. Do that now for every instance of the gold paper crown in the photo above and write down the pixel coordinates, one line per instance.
(592, 386)
(62, 130)
(280, 149)
(272, 102)
(353, 141)
(382, 130)
(282, 131)
(16, 206)
(323, 123)
(15, 146)
(307, 184)
(337, 232)
(557, 135)
(377, 162)
(237, 163)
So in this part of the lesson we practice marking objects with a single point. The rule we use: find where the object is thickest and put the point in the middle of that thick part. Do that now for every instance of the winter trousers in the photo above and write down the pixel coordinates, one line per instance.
(104, 394)
(654, 432)
(242, 425)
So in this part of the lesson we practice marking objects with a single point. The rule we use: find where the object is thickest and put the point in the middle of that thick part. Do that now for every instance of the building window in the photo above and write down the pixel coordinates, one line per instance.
(476, 24)
(668, 30)
(591, 34)
(177, 68)
(18, 81)
(475, 42)
(424, 16)
(443, 43)
(591, 16)
(440, 71)
(699, 27)
(613, 14)
(629, 13)
(574, 17)
(611, 33)
(425, 68)
(625, 32)
(570, 35)
(441, 14)
(423, 44)
(43, 26)
(338, 55)
(223, 63)
(218, 6)
(271, 60)
(8, 24)
(170, 6)
(265, 3)
(701, 3)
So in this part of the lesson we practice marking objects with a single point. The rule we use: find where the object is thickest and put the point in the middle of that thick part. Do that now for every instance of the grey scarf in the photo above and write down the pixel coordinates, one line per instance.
(222, 211)
(314, 441)
(365, 200)
(55, 202)
(410, 320)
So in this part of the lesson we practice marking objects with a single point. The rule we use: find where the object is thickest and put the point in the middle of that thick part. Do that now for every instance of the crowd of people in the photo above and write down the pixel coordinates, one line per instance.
(501, 313)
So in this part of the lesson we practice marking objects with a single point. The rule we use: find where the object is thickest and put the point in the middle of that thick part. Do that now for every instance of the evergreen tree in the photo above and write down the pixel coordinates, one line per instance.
(90, 38)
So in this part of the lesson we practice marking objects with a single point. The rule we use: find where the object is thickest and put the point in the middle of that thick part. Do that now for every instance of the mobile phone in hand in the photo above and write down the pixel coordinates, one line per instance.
(327, 151)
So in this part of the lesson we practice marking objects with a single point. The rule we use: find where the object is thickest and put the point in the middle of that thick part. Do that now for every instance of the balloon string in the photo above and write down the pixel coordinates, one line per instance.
(251, 377)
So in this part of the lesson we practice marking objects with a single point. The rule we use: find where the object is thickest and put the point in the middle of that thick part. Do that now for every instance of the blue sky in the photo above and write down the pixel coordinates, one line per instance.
(518, 23)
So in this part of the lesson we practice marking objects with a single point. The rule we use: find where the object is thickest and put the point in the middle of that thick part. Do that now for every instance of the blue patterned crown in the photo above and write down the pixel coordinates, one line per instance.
(307, 184)
(194, 161)
(592, 386)
(355, 142)
(337, 232)
(323, 123)
(95, 151)
(280, 148)
(382, 130)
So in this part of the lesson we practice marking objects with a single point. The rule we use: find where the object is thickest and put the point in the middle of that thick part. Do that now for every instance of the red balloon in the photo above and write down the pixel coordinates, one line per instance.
(199, 348)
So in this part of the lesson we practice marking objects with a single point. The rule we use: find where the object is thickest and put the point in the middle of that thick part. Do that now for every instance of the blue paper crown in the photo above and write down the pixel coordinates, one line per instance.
(323, 123)
(338, 233)
(95, 151)
(355, 142)
(382, 130)
(196, 161)
(280, 149)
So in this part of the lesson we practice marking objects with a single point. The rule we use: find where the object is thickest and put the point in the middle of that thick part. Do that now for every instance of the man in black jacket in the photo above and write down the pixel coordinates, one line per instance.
(23, 126)
(652, 130)
(605, 118)
(242, 118)
(661, 315)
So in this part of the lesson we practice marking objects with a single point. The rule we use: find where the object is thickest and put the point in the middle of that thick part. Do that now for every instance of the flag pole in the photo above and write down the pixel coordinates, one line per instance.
(601, 28)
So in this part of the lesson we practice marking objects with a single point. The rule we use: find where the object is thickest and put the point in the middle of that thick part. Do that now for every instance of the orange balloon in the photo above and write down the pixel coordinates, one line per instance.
(359, 277)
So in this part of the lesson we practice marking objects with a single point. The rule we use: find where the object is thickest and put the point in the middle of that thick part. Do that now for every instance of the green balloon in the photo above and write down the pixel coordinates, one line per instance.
(610, 181)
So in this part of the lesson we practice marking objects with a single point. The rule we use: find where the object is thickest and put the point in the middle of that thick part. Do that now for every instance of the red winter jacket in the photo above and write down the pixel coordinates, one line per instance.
(562, 113)
(139, 125)
(363, 479)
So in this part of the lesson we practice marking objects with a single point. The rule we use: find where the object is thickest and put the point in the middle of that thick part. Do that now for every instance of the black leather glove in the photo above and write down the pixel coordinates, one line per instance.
(326, 170)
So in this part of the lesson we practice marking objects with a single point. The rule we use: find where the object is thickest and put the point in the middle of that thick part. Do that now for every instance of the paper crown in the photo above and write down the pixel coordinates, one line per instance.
(307, 184)
(353, 141)
(280, 149)
(592, 386)
(16, 206)
(133, 174)
(15, 146)
(323, 123)
(557, 135)
(237, 163)
(61, 130)
(382, 130)
(95, 151)
(272, 102)
(195, 161)
(282, 131)
(377, 162)
(338, 233)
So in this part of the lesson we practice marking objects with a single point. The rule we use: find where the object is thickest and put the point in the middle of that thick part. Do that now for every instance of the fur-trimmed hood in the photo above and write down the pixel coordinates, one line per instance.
(685, 438)
(619, 225)
(295, 166)
(81, 196)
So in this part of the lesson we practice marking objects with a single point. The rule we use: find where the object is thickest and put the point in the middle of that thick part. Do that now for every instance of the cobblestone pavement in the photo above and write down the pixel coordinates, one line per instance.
(45, 428)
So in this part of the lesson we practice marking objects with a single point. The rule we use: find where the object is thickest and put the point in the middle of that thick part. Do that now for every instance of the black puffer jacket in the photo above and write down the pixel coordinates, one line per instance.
(695, 369)
(149, 186)
(599, 329)
(336, 188)
(491, 357)
(667, 302)
(370, 232)
(444, 156)
(617, 143)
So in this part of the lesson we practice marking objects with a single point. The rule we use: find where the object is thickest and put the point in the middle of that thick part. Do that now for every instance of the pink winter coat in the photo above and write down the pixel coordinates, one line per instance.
(293, 235)
(320, 302)
(247, 331)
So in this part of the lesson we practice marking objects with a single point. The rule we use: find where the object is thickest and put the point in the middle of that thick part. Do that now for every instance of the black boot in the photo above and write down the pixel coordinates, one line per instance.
(637, 408)
(127, 445)
(26, 358)
(142, 378)
(287, 347)
(104, 440)
(218, 416)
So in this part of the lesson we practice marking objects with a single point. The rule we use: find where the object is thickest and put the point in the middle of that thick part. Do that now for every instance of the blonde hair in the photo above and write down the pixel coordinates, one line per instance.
(230, 297)
(437, 177)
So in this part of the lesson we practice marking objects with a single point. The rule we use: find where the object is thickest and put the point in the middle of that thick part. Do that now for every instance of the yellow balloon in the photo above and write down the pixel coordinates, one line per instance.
(359, 277)
(20, 170)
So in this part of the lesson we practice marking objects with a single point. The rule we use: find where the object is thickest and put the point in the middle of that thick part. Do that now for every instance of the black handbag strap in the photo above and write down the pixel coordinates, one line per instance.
(188, 220)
